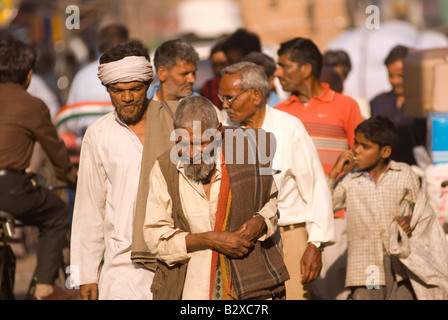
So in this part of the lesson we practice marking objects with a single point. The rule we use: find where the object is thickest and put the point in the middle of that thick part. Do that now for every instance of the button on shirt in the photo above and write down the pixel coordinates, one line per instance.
(370, 209)
(304, 195)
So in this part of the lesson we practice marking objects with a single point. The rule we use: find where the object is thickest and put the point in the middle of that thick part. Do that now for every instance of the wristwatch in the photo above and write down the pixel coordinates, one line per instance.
(318, 245)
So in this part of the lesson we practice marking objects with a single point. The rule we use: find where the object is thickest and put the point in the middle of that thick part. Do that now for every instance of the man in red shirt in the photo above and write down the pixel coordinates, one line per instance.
(330, 119)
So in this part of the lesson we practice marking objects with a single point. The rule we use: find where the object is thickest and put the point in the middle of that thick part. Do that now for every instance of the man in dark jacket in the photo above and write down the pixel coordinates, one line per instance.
(25, 120)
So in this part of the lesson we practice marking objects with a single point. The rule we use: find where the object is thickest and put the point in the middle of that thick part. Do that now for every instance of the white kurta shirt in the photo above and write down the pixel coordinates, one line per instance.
(303, 192)
(104, 212)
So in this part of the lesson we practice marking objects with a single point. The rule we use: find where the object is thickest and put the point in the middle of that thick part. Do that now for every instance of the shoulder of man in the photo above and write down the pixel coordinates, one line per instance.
(346, 100)
(381, 97)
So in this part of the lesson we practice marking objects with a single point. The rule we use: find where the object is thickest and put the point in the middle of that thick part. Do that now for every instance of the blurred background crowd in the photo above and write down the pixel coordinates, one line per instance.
(329, 23)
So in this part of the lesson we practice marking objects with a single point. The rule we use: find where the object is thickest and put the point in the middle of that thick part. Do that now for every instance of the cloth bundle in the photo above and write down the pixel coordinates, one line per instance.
(425, 253)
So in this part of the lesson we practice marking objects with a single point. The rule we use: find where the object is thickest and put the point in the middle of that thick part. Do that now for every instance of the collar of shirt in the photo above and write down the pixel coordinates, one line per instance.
(118, 119)
(392, 166)
(327, 96)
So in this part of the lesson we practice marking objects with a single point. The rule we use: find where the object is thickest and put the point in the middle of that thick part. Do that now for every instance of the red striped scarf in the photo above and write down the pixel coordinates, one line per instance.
(221, 277)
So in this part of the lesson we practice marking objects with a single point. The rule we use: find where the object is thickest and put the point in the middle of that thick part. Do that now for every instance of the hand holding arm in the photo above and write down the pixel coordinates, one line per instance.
(229, 243)
(253, 229)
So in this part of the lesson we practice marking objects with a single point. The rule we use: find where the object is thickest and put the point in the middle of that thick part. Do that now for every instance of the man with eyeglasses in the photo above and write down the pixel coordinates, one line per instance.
(304, 201)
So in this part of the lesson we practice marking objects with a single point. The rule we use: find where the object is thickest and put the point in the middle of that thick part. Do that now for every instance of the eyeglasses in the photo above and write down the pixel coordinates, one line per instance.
(229, 101)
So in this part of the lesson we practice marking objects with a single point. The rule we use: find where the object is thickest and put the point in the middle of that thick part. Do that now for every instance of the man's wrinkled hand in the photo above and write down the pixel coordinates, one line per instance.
(89, 291)
(253, 229)
(231, 244)
(311, 263)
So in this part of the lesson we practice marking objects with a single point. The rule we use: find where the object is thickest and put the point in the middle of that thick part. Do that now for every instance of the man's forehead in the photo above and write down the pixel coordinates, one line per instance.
(285, 58)
(196, 131)
(179, 62)
(232, 79)
(127, 85)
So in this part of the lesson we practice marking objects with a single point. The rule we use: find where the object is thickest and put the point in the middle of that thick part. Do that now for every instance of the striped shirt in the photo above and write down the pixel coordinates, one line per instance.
(370, 209)
(330, 120)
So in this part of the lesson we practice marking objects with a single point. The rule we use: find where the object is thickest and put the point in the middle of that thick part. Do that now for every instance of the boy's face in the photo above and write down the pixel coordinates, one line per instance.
(368, 154)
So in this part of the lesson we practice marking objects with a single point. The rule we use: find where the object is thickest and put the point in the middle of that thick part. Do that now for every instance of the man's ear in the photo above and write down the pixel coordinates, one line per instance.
(162, 73)
(258, 97)
(219, 132)
(219, 127)
(306, 69)
(386, 152)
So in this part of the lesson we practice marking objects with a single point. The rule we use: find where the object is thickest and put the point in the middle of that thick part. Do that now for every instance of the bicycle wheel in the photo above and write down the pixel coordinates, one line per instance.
(7, 273)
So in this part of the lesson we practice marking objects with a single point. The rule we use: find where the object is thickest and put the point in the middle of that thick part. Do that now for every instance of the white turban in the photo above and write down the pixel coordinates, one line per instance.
(128, 69)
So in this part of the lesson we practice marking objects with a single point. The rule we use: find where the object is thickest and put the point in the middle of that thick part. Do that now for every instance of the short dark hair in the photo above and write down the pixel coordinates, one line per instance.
(16, 60)
(333, 78)
(218, 46)
(303, 51)
(397, 53)
(380, 130)
(333, 58)
(263, 60)
(126, 49)
(112, 35)
(167, 53)
(243, 40)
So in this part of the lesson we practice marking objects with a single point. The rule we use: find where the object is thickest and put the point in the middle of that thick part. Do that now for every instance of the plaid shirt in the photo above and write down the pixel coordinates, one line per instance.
(370, 209)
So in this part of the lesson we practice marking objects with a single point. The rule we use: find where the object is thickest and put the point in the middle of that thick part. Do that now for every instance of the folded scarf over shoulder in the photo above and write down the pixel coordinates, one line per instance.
(262, 273)
(221, 275)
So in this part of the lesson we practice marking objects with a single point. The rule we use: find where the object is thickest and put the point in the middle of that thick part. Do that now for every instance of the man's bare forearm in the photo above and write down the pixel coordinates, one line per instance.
(228, 243)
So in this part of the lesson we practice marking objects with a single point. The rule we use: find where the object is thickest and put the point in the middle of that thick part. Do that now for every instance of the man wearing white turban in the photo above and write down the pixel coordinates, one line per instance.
(110, 163)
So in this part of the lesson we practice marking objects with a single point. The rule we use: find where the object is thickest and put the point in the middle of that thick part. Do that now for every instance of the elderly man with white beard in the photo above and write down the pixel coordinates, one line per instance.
(211, 220)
